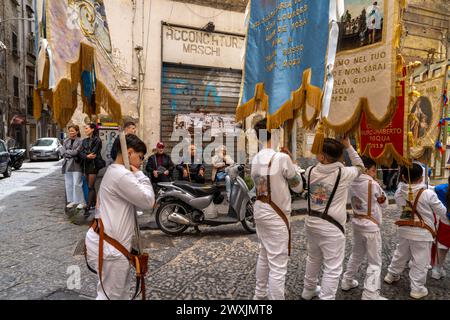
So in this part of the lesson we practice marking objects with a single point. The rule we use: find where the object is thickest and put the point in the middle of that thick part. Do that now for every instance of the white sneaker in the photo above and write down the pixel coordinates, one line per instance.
(81, 206)
(347, 285)
(438, 273)
(372, 296)
(255, 297)
(419, 294)
(391, 278)
(71, 205)
(308, 294)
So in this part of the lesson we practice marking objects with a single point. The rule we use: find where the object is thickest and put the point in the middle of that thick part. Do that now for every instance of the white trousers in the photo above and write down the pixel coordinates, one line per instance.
(271, 267)
(115, 274)
(366, 244)
(419, 252)
(329, 249)
(74, 187)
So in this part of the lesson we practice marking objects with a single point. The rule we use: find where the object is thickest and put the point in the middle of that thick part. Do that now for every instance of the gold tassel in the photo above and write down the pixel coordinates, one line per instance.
(317, 146)
(410, 139)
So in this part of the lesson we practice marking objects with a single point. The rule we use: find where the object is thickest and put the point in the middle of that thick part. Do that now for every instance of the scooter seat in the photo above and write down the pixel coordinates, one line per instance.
(198, 190)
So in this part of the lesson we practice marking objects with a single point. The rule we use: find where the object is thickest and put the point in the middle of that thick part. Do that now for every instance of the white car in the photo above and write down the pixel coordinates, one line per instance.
(45, 149)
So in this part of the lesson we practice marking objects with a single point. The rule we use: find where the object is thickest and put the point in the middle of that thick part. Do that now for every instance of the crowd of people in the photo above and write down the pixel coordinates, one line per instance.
(424, 219)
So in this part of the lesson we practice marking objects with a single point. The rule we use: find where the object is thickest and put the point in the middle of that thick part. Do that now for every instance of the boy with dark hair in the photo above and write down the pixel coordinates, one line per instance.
(121, 192)
(421, 210)
(273, 173)
(129, 128)
(328, 183)
(368, 201)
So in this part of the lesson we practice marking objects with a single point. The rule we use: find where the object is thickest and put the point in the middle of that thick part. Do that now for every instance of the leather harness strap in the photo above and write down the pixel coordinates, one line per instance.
(140, 263)
(369, 207)
(268, 199)
(412, 222)
(324, 215)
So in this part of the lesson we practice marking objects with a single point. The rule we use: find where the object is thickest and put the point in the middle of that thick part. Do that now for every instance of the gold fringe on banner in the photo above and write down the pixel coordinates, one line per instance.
(64, 98)
(319, 139)
(297, 102)
(354, 121)
(37, 105)
(387, 161)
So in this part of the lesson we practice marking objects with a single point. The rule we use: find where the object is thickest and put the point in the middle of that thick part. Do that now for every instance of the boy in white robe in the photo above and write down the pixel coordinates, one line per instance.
(121, 192)
(414, 242)
(367, 219)
(325, 234)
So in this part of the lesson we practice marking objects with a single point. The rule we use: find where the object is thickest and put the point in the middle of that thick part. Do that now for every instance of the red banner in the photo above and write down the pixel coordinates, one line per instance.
(384, 145)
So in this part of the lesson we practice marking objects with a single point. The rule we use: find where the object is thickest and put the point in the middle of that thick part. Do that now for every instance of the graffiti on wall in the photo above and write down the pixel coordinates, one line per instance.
(219, 124)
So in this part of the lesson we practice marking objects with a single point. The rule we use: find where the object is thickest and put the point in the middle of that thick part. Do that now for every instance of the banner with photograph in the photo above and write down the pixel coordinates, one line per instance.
(365, 68)
(285, 61)
(426, 114)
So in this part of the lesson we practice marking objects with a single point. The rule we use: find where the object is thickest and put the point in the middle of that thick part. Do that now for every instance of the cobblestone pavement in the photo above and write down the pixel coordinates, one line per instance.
(37, 241)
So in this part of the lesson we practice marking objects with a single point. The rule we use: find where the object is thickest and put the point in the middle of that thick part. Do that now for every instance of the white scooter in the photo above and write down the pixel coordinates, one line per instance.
(183, 204)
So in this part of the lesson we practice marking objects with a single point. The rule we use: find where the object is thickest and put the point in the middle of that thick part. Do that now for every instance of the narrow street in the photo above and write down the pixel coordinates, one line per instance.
(37, 243)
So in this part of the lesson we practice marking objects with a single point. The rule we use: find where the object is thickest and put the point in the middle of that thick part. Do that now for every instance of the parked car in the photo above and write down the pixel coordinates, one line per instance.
(45, 149)
(5, 160)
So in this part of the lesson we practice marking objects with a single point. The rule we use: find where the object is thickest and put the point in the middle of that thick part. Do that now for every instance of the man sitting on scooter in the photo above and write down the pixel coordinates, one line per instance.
(192, 170)
(160, 166)
(220, 162)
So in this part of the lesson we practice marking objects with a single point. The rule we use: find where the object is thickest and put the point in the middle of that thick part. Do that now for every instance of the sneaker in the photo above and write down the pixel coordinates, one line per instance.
(255, 297)
(391, 278)
(419, 294)
(71, 205)
(347, 285)
(81, 206)
(308, 294)
(372, 296)
(438, 273)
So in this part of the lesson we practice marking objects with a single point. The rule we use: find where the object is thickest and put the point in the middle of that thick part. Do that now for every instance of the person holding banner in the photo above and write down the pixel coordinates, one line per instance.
(443, 234)
(328, 185)
(368, 201)
(120, 193)
(416, 230)
(274, 174)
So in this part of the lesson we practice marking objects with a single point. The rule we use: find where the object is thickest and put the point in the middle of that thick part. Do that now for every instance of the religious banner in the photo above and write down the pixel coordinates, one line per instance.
(286, 58)
(426, 113)
(389, 143)
(366, 64)
(74, 48)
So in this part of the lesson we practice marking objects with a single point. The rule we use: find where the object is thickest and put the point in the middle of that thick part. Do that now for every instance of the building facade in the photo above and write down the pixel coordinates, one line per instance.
(17, 71)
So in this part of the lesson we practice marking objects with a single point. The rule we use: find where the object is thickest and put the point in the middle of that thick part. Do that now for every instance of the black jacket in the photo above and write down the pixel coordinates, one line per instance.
(88, 146)
(194, 169)
(152, 165)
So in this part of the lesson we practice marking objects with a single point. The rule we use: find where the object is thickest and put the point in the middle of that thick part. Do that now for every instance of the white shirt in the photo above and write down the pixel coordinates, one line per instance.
(121, 191)
(323, 179)
(281, 171)
(359, 194)
(429, 207)
(373, 19)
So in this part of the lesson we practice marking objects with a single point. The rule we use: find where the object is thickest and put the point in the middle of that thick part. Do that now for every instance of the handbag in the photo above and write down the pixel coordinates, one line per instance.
(99, 162)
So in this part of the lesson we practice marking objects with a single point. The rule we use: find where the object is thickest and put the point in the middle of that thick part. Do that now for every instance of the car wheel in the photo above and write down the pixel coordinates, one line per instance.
(8, 171)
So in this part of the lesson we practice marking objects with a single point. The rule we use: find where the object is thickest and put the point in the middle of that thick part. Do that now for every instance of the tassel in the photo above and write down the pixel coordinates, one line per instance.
(410, 140)
(317, 146)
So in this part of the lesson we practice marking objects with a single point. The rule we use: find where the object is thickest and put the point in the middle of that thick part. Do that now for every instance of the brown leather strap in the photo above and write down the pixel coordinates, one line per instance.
(369, 207)
(413, 222)
(268, 199)
(135, 260)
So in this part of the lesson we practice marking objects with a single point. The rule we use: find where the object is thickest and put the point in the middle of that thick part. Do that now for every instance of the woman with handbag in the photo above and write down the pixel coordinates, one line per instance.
(92, 161)
(71, 168)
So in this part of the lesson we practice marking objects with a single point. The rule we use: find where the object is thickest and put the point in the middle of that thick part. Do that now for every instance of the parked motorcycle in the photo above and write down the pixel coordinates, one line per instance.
(182, 204)
(17, 157)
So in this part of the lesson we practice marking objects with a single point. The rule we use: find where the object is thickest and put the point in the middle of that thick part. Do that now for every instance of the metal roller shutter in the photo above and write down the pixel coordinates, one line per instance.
(187, 90)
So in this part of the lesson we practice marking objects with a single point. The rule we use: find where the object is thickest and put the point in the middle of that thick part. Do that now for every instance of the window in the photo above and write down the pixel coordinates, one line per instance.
(16, 87)
(15, 45)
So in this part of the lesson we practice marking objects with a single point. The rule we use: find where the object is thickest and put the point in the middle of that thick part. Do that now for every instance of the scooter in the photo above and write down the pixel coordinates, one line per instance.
(182, 204)
(17, 157)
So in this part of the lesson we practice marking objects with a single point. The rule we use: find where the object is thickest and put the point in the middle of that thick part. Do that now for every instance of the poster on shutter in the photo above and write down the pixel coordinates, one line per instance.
(108, 135)
(219, 124)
